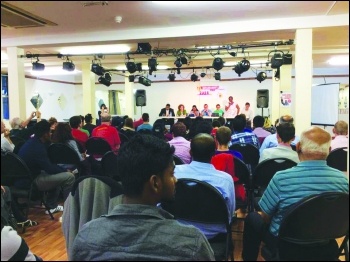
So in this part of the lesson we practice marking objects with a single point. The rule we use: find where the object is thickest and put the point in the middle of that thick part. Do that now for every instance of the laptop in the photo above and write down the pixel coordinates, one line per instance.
(215, 114)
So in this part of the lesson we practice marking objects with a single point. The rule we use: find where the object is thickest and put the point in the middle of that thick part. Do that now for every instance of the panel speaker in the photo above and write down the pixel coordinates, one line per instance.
(140, 97)
(262, 98)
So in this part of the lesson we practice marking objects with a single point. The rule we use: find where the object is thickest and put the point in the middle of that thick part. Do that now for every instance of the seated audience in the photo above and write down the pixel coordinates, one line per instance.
(137, 123)
(128, 128)
(215, 124)
(145, 124)
(48, 176)
(82, 124)
(146, 169)
(80, 136)
(285, 135)
(258, 130)
(181, 111)
(340, 131)
(89, 126)
(19, 127)
(271, 140)
(242, 136)
(202, 150)
(182, 146)
(53, 123)
(107, 132)
(223, 139)
(6, 143)
(310, 176)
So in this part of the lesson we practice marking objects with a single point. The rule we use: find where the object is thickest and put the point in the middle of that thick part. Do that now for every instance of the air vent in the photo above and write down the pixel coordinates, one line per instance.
(14, 17)
(94, 3)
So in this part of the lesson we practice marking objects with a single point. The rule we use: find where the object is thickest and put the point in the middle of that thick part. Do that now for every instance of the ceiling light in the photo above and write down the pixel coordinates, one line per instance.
(178, 62)
(339, 60)
(131, 67)
(139, 67)
(178, 71)
(261, 76)
(242, 66)
(277, 74)
(38, 66)
(171, 77)
(95, 49)
(203, 74)
(144, 81)
(218, 63)
(277, 60)
(105, 80)
(131, 78)
(144, 48)
(152, 65)
(217, 76)
(194, 77)
(68, 65)
(183, 60)
(97, 69)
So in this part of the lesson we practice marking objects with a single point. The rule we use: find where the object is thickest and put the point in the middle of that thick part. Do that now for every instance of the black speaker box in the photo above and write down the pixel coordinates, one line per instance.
(144, 48)
(262, 98)
(287, 59)
(140, 97)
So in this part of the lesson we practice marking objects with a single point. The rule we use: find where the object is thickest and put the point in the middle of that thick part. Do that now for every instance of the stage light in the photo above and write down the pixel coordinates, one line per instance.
(218, 63)
(194, 77)
(144, 81)
(261, 76)
(152, 65)
(105, 80)
(217, 76)
(97, 69)
(183, 60)
(69, 66)
(203, 74)
(242, 66)
(131, 78)
(38, 66)
(277, 74)
(144, 48)
(233, 54)
(276, 60)
(139, 67)
(178, 71)
(131, 67)
(178, 62)
(171, 77)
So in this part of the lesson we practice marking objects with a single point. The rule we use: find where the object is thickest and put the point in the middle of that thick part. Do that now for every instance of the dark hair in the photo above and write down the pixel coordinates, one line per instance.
(62, 133)
(88, 118)
(117, 121)
(258, 121)
(215, 123)
(145, 117)
(75, 121)
(129, 122)
(223, 135)
(178, 129)
(82, 118)
(202, 148)
(286, 131)
(167, 105)
(103, 105)
(139, 159)
(239, 123)
(41, 128)
(222, 120)
(52, 120)
(247, 103)
(203, 127)
(158, 128)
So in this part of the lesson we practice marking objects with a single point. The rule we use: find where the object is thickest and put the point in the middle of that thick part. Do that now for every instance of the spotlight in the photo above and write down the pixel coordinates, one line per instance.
(171, 77)
(242, 67)
(261, 76)
(178, 71)
(105, 80)
(178, 62)
(277, 74)
(238, 69)
(217, 76)
(194, 77)
(183, 60)
(68, 65)
(203, 74)
(131, 78)
(144, 48)
(152, 64)
(276, 60)
(38, 66)
(97, 69)
(139, 67)
(218, 63)
(108, 77)
(131, 66)
(233, 54)
(144, 81)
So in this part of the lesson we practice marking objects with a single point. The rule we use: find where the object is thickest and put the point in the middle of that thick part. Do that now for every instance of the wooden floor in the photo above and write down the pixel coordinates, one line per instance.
(46, 240)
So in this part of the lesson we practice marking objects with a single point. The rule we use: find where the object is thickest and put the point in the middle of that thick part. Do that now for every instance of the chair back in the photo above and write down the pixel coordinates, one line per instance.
(199, 202)
(15, 140)
(123, 137)
(313, 222)
(18, 146)
(250, 154)
(243, 174)
(337, 159)
(178, 160)
(266, 169)
(97, 146)
(110, 165)
(63, 154)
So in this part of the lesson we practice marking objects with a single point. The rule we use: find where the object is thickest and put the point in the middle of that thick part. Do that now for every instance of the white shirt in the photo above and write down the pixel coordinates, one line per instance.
(5, 144)
(231, 112)
(249, 114)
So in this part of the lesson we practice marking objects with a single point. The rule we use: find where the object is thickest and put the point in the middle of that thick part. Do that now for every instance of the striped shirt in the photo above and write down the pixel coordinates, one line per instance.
(291, 185)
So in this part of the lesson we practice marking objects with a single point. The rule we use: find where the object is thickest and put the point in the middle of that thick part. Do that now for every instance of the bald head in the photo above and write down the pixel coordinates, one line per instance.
(314, 144)
(202, 147)
(286, 119)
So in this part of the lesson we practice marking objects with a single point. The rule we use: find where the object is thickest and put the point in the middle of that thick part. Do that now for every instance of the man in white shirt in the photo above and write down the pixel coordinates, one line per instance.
(340, 131)
(231, 108)
(248, 112)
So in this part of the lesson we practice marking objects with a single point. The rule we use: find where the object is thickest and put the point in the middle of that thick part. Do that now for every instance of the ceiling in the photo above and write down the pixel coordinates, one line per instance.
(185, 25)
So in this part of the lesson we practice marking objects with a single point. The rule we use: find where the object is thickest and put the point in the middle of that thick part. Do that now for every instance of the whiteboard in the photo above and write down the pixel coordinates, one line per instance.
(324, 104)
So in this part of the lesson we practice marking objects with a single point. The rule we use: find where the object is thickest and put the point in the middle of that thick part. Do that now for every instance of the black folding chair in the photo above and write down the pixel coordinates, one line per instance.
(178, 160)
(63, 154)
(110, 165)
(337, 159)
(250, 154)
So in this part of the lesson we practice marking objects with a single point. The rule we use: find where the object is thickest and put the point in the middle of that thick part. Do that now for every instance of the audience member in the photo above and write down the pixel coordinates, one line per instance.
(138, 122)
(80, 136)
(107, 132)
(182, 146)
(340, 131)
(223, 138)
(312, 175)
(202, 150)
(146, 124)
(271, 140)
(146, 169)
(128, 128)
(6, 142)
(194, 112)
(215, 125)
(231, 108)
(47, 176)
(103, 109)
(285, 135)
(89, 126)
(167, 111)
(218, 110)
(19, 126)
(242, 136)
(158, 129)
(258, 130)
(82, 124)
(222, 120)
(181, 111)
(206, 111)
(53, 123)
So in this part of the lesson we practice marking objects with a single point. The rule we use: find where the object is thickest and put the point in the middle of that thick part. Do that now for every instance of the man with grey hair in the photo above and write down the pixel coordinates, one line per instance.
(271, 140)
(19, 126)
(311, 176)
(107, 132)
(340, 131)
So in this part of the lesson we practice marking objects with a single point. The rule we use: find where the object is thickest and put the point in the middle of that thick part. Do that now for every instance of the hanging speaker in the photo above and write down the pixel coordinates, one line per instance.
(262, 98)
(140, 97)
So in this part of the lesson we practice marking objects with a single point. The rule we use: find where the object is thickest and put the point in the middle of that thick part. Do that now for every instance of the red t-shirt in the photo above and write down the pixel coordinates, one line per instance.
(109, 133)
(80, 136)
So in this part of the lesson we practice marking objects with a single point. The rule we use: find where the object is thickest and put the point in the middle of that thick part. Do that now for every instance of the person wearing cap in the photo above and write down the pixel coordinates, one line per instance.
(89, 126)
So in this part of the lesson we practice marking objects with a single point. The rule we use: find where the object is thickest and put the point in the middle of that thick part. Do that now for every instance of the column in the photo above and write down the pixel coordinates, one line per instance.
(301, 93)
(129, 98)
(275, 99)
(88, 85)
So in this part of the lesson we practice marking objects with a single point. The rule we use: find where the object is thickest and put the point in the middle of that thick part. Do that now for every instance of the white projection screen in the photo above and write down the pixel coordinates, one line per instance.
(324, 104)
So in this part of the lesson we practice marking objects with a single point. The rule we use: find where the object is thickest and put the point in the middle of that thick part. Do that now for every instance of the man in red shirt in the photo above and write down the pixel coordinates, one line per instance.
(80, 136)
(107, 132)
